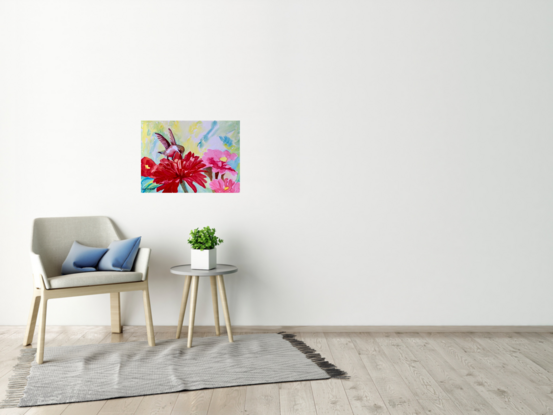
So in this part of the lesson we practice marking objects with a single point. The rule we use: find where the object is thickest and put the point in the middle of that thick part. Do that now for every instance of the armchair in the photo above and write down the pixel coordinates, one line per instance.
(51, 241)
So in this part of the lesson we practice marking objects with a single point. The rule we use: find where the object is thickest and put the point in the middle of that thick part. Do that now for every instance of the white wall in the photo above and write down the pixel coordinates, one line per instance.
(397, 156)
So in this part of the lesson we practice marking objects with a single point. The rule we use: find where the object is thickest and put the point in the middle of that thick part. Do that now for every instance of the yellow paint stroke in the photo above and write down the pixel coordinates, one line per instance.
(195, 128)
(177, 130)
(191, 145)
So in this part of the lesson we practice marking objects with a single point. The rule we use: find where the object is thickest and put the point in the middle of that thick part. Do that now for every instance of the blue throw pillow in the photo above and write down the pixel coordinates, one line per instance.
(82, 258)
(120, 255)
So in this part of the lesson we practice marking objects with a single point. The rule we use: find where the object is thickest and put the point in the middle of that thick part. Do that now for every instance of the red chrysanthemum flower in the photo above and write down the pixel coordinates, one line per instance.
(147, 167)
(171, 173)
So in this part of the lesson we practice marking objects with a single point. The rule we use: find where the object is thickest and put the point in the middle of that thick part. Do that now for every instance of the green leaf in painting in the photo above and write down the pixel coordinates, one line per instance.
(147, 185)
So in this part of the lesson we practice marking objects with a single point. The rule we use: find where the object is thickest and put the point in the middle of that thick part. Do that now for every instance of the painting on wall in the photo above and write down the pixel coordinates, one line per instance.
(190, 157)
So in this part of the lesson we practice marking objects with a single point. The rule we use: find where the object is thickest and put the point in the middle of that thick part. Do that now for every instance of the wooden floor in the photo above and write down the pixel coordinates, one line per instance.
(391, 373)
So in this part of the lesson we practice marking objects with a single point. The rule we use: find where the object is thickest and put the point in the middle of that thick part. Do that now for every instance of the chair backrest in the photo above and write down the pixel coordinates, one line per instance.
(53, 237)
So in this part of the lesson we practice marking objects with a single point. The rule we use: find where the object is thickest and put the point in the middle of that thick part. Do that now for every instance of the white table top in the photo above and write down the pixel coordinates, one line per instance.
(221, 269)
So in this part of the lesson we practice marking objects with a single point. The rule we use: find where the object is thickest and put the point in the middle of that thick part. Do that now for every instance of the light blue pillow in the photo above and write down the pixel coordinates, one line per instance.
(82, 258)
(120, 255)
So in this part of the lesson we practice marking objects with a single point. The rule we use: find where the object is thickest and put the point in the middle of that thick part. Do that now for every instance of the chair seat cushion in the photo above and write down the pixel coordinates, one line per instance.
(93, 278)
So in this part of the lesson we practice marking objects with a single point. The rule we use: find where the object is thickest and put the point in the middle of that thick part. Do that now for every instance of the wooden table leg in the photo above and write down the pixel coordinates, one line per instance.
(223, 293)
(215, 304)
(193, 298)
(183, 304)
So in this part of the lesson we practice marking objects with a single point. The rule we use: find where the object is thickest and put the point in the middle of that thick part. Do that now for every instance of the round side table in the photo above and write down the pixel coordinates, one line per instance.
(193, 277)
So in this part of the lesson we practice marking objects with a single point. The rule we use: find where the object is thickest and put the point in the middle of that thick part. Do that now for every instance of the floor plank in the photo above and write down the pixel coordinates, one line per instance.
(396, 394)
(511, 374)
(489, 385)
(296, 398)
(525, 346)
(84, 408)
(536, 348)
(540, 377)
(47, 410)
(346, 356)
(440, 407)
(360, 389)
(364, 398)
(419, 381)
(330, 396)
(548, 337)
(121, 406)
(193, 402)
(467, 399)
(263, 399)
(157, 404)
(9, 338)
(14, 411)
(228, 401)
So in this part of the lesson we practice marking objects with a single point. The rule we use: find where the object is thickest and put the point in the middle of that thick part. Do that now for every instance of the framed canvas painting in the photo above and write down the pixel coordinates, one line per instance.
(190, 157)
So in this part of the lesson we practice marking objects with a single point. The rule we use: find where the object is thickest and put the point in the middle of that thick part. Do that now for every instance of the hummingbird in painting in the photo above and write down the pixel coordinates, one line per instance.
(171, 148)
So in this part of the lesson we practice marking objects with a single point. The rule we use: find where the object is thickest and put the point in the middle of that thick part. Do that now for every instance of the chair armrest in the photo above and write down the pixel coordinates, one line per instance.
(142, 261)
(39, 274)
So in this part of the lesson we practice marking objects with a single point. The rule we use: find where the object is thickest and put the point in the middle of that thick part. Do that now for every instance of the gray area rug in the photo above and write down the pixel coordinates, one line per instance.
(106, 371)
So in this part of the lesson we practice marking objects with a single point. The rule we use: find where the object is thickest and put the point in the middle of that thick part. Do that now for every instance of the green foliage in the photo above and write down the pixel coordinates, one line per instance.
(204, 238)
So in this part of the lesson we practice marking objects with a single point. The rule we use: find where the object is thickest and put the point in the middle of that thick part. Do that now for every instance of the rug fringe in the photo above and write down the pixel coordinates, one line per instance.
(18, 381)
(330, 369)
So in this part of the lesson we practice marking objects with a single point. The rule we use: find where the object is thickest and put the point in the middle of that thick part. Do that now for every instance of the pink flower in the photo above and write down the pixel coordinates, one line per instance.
(224, 186)
(218, 159)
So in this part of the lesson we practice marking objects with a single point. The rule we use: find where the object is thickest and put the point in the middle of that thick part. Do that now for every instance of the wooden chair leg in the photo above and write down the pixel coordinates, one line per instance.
(42, 330)
(183, 304)
(193, 298)
(215, 304)
(115, 305)
(31, 324)
(149, 321)
(223, 293)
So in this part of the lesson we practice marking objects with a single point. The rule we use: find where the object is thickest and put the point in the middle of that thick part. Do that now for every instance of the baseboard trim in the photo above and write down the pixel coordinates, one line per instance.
(369, 329)
(335, 329)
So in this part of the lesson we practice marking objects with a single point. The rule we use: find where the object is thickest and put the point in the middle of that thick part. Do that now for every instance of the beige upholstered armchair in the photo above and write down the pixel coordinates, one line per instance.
(51, 242)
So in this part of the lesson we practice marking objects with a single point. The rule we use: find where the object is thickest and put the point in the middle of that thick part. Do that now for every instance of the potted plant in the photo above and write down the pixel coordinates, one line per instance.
(203, 243)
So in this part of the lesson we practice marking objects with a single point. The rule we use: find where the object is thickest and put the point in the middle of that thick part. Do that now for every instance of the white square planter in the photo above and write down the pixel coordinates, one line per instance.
(206, 259)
